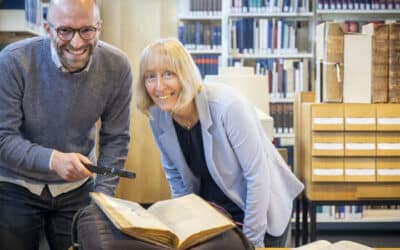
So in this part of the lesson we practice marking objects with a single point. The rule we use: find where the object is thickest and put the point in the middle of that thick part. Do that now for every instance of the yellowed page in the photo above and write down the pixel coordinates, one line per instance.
(340, 245)
(350, 245)
(316, 245)
(127, 214)
(188, 215)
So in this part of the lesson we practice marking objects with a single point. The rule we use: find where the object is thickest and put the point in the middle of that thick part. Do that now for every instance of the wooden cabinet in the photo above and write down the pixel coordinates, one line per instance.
(349, 151)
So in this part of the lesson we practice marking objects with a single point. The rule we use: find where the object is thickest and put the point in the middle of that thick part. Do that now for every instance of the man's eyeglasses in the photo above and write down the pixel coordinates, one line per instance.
(151, 78)
(67, 33)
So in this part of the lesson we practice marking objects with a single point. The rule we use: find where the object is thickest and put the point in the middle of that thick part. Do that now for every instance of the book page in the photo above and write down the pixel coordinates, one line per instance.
(340, 245)
(350, 245)
(189, 215)
(127, 214)
(316, 245)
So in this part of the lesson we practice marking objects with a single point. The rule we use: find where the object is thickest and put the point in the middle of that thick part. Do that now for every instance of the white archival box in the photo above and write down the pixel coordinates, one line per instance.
(357, 68)
(254, 87)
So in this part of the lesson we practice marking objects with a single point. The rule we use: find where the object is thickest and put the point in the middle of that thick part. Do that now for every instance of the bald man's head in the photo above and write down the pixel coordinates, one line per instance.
(60, 7)
(74, 27)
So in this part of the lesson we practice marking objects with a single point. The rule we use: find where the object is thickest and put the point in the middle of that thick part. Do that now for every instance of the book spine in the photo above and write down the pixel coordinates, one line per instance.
(394, 63)
(333, 63)
(380, 61)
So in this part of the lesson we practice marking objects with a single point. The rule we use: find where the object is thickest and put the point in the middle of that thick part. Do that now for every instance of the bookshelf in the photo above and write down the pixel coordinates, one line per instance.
(29, 19)
(13, 26)
(354, 19)
(35, 15)
(200, 31)
(275, 39)
(360, 15)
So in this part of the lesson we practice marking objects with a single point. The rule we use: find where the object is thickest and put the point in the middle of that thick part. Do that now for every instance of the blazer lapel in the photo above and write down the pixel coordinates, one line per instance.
(170, 143)
(169, 139)
(203, 109)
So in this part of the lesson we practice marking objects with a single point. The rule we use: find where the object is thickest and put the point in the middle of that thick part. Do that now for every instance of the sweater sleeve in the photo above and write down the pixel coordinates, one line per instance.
(15, 150)
(114, 133)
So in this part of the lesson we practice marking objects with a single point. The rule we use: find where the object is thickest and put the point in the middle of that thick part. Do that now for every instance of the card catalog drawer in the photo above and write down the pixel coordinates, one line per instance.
(388, 144)
(360, 143)
(359, 117)
(388, 117)
(327, 117)
(359, 169)
(388, 169)
(327, 169)
(327, 144)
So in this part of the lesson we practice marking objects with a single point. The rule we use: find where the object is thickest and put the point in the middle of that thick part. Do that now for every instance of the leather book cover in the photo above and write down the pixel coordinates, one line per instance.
(380, 61)
(332, 70)
(394, 63)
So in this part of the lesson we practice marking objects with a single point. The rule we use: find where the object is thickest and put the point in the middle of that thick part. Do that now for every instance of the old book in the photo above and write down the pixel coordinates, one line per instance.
(340, 245)
(380, 61)
(177, 223)
(330, 40)
(394, 63)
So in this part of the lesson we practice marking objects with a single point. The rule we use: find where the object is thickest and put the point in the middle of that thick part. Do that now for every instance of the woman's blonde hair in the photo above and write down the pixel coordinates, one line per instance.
(171, 55)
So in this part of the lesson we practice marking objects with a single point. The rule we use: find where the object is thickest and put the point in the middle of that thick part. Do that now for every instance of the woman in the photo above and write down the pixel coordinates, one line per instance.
(212, 144)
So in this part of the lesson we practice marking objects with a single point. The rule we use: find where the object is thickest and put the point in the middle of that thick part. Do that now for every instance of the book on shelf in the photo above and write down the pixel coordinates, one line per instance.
(262, 36)
(251, 6)
(380, 61)
(284, 76)
(205, 7)
(340, 245)
(329, 50)
(207, 64)
(358, 5)
(283, 117)
(176, 223)
(36, 13)
(200, 35)
(394, 63)
(385, 62)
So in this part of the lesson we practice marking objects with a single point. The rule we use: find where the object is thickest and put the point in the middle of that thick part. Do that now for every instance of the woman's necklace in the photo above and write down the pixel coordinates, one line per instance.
(187, 123)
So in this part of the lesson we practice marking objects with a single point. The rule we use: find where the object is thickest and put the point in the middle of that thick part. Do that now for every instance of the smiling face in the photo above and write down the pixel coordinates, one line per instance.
(75, 14)
(168, 77)
(163, 86)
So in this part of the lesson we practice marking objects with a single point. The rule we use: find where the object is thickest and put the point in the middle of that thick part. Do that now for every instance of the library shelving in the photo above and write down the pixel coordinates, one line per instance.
(30, 19)
(276, 38)
(357, 13)
(13, 26)
(354, 14)
(200, 31)
(35, 15)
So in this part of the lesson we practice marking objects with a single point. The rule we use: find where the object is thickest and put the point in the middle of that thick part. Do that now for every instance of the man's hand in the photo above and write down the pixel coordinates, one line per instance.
(69, 166)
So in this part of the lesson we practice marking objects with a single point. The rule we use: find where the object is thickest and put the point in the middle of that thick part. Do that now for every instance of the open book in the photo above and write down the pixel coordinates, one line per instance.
(177, 223)
(340, 245)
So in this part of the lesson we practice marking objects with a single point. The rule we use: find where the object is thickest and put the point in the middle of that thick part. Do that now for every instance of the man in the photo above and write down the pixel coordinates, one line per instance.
(52, 91)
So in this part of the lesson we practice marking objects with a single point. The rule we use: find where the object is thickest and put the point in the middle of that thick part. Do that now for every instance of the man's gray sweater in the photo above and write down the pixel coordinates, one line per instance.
(43, 108)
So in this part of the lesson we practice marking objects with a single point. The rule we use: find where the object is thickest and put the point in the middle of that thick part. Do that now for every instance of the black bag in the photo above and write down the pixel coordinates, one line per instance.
(92, 230)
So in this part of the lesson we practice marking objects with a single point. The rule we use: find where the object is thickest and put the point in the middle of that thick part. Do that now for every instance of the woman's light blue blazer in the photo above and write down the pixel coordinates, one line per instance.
(242, 161)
